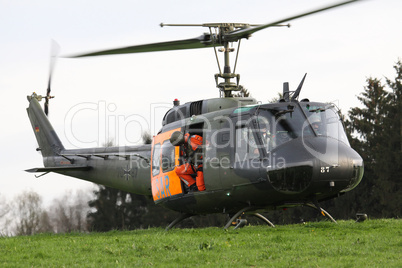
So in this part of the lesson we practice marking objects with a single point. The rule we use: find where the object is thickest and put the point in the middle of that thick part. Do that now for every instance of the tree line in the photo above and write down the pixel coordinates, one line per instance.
(374, 131)
(26, 214)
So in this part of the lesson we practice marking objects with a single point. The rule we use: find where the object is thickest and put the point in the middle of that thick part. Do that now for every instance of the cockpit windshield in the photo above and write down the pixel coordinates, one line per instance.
(278, 125)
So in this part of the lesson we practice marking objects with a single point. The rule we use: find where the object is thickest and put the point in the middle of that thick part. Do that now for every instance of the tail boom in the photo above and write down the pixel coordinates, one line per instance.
(126, 168)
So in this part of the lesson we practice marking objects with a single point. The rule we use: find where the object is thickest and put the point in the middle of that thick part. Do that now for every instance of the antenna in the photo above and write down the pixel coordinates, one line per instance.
(286, 92)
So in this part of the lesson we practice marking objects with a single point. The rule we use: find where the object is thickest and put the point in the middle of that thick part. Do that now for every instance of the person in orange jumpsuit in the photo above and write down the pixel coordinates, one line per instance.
(192, 164)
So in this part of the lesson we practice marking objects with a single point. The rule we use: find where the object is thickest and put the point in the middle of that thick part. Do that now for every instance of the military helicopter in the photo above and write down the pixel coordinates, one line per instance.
(255, 157)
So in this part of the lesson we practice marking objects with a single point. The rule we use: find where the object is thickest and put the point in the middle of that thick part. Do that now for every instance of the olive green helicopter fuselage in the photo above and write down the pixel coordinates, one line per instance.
(255, 157)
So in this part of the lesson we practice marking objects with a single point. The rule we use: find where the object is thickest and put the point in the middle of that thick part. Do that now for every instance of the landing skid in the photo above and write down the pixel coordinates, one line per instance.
(239, 222)
(323, 212)
(242, 222)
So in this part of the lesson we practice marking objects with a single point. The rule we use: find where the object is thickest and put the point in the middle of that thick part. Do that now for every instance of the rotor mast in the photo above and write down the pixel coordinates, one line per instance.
(218, 39)
(227, 86)
(224, 35)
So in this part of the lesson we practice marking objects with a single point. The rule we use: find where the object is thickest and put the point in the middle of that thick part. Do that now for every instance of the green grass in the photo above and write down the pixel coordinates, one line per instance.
(373, 243)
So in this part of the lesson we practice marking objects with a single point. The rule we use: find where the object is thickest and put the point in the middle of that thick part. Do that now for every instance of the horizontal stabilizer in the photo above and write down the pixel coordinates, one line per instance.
(58, 169)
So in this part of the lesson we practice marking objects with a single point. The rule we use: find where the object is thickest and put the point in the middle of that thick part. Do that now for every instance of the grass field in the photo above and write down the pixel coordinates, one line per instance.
(373, 243)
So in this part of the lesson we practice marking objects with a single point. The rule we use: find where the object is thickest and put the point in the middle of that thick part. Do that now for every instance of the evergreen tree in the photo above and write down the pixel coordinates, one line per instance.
(242, 93)
(116, 210)
(375, 133)
(389, 168)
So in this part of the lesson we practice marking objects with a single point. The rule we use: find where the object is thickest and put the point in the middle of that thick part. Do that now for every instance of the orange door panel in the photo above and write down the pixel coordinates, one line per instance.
(165, 158)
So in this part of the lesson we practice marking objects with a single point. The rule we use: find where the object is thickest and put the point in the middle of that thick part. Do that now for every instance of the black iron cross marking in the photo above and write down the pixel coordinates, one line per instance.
(126, 173)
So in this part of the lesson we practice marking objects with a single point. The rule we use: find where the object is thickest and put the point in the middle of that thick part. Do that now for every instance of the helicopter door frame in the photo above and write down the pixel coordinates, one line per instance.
(197, 128)
(164, 160)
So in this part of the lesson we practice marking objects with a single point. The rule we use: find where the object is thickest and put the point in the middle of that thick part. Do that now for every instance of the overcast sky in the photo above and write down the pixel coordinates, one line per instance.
(118, 97)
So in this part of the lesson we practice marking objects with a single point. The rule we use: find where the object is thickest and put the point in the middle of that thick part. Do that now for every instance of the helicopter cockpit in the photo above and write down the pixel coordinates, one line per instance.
(278, 124)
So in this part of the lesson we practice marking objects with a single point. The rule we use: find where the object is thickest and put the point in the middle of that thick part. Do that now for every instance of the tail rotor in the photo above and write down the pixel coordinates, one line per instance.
(55, 49)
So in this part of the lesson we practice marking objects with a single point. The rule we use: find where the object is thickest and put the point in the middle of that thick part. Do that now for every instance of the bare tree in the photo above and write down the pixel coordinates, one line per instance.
(27, 216)
(45, 223)
(4, 207)
(4, 220)
(108, 143)
(69, 213)
(28, 213)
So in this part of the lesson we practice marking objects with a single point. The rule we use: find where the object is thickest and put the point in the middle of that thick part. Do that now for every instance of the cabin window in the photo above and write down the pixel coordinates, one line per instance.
(181, 113)
(246, 146)
(334, 126)
(156, 157)
(168, 156)
(325, 121)
(171, 116)
(279, 125)
(263, 130)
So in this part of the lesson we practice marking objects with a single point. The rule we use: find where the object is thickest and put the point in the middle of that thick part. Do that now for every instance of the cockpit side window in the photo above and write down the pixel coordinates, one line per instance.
(334, 126)
(246, 145)
(325, 121)
(156, 157)
(168, 156)
(264, 131)
(284, 123)
(277, 126)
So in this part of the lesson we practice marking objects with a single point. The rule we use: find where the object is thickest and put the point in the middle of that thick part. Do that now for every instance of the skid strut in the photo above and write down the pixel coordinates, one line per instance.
(178, 220)
(323, 212)
(242, 222)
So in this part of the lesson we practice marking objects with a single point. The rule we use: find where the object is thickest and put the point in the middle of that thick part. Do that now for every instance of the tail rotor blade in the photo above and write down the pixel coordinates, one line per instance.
(46, 107)
(55, 49)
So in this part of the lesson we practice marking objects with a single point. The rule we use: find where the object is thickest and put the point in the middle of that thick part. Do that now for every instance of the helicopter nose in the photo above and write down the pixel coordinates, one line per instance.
(340, 168)
(315, 166)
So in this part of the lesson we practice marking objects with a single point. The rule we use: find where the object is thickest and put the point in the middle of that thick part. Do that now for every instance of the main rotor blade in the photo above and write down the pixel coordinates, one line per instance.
(202, 41)
(245, 33)
(197, 42)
